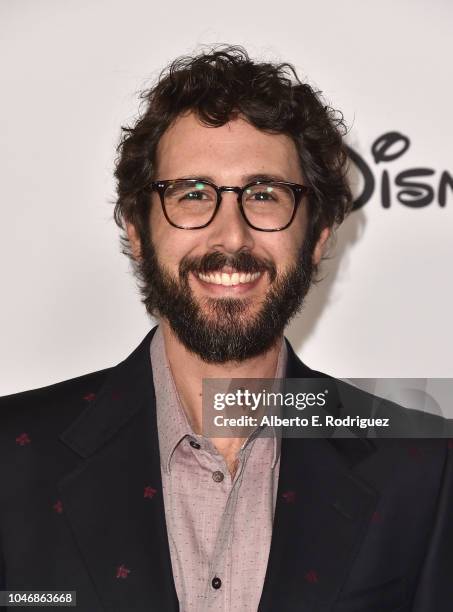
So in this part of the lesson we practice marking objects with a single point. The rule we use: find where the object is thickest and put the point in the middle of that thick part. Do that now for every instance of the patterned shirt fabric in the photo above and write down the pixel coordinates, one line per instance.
(219, 527)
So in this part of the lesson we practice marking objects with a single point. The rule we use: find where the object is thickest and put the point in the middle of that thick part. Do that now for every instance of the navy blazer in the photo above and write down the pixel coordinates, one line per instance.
(361, 525)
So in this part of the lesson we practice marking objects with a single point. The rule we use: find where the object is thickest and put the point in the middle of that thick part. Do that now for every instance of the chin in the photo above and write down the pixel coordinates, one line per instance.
(225, 308)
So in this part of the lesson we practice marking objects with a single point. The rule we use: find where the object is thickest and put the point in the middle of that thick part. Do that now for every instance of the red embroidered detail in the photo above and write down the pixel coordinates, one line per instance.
(311, 576)
(450, 443)
(149, 492)
(58, 507)
(415, 452)
(23, 439)
(289, 497)
(376, 517)
(116, 395)
(89, 397)
(122, 572)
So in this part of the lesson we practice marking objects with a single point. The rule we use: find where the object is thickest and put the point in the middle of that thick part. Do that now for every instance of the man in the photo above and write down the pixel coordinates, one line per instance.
(229, 186)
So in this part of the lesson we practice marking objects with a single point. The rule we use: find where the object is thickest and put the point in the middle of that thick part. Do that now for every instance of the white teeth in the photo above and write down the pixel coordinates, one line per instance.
(227, 280)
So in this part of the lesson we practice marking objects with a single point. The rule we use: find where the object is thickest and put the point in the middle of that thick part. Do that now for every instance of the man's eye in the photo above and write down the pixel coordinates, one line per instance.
(264, 196)
(194, 195)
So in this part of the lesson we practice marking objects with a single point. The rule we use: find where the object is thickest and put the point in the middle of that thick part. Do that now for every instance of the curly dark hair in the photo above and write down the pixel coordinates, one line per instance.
(218, 85)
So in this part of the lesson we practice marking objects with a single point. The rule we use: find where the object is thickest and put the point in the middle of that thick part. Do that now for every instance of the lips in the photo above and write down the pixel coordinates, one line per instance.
(229, 279)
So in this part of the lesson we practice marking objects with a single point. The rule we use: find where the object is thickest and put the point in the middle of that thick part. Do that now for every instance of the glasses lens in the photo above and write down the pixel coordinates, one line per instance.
(190, 203)
(268, 205)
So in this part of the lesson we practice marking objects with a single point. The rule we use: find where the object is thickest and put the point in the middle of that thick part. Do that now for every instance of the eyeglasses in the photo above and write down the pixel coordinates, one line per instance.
(267, 206)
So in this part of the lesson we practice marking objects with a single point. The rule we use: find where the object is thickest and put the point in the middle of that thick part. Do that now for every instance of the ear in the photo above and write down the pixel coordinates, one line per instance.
(320, 246)
(134, 240)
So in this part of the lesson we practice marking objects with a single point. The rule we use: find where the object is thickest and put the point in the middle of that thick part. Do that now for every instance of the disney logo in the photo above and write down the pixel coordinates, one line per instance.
(412, 190)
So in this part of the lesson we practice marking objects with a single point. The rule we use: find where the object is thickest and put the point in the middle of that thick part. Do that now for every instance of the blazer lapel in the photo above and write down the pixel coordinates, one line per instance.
(113, 500)
(322, 514)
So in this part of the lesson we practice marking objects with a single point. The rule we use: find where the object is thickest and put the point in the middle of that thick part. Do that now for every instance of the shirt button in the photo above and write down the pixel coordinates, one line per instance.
(194, 444)
(216, 582)
(217, 477)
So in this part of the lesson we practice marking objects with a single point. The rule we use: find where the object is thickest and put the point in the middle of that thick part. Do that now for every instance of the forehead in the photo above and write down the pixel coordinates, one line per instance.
(188, 148)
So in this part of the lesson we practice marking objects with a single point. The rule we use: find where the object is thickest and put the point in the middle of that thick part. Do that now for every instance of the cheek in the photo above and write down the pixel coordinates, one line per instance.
(289, 255)
(297, 232)
(161, 236)
(167, 250)
(285, 246)
(171, 244)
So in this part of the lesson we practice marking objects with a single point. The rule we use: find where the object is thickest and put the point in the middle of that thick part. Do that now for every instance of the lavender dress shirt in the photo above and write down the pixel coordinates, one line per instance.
(219, 528)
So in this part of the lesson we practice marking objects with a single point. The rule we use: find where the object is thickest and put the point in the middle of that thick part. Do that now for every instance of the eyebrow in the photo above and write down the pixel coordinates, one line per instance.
(248, 178)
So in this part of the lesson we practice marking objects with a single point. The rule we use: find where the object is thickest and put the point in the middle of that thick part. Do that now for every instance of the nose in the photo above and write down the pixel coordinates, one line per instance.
(229, 231)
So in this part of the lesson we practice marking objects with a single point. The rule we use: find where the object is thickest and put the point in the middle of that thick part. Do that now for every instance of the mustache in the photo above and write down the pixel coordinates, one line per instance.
(213, 262)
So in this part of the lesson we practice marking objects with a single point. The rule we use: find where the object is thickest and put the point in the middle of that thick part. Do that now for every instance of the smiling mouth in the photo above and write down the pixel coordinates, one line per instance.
(229, 280)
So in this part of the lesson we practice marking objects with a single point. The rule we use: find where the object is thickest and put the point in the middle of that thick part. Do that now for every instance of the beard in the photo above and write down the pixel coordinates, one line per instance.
(219, 330)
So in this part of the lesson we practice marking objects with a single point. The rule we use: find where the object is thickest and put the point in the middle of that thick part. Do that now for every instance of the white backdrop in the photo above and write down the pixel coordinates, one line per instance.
(71, 71)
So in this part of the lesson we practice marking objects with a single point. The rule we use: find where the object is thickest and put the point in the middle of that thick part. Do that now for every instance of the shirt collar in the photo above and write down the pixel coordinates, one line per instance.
(172, 423)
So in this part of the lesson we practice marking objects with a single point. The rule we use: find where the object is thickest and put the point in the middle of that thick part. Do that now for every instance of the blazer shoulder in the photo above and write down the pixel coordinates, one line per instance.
(63, 396)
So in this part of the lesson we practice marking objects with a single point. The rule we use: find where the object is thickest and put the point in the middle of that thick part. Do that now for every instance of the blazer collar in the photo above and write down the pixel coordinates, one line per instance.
(127, 388)
(114, 501)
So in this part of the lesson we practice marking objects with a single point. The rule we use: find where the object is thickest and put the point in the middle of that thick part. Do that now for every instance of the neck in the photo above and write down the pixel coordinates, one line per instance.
(188, 371)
